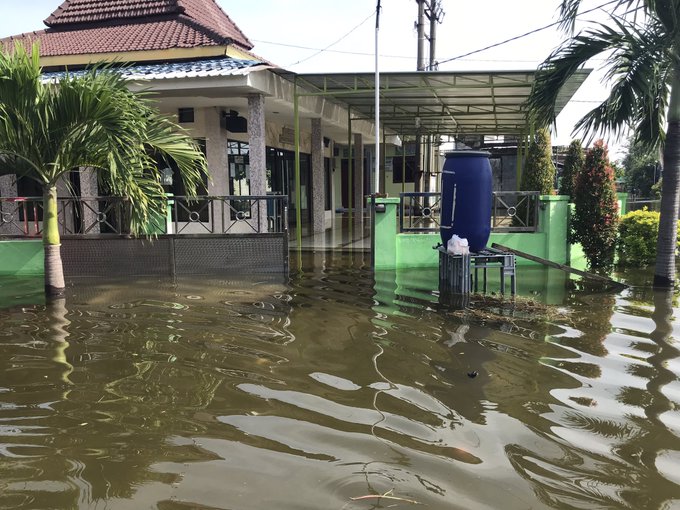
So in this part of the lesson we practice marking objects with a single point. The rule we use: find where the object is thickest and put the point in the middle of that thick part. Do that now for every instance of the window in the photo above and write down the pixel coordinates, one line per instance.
(185, 115)
(398, 165)
(327, 183)
(239, 177)
(185, 208)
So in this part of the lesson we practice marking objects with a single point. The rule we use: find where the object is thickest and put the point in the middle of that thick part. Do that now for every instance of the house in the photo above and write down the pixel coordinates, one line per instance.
(200, 67)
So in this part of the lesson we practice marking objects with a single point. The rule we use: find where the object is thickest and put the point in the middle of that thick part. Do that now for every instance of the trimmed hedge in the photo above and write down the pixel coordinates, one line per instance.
(638, 231)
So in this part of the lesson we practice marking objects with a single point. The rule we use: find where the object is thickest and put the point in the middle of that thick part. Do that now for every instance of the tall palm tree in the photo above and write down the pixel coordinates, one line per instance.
(641, 46)
(92, 120)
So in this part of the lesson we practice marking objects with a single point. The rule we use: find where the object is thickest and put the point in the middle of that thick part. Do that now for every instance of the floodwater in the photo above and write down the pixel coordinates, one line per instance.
(338, 389)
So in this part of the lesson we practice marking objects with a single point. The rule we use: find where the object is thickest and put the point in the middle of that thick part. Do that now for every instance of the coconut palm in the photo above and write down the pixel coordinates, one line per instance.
(641, 46)
(91, 120)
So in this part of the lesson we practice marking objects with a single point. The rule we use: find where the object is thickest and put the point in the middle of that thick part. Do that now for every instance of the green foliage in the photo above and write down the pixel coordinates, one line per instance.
(642, 169)
(595, 220)
(637, 238)
(619, 170)
(573, 163)
(640, 44)
(539, 170)
(90, 120)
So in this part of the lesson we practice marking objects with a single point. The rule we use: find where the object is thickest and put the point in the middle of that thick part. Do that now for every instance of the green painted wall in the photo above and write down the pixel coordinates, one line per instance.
(394, 250)
(21, 257)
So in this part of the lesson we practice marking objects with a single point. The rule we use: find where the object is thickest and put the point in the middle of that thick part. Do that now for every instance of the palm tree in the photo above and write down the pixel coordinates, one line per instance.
(641, 46)
(90, 120)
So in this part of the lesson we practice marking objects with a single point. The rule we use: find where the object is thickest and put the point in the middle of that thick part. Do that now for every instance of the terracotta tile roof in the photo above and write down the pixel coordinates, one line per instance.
(105, 26)
(89, 11)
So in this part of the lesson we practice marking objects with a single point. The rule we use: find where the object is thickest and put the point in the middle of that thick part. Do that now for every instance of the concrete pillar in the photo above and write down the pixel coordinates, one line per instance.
(89, 188)
(318, 191)
(358, 177)
(258, 154)
(9, 214)
(217, 158)
(8, 186)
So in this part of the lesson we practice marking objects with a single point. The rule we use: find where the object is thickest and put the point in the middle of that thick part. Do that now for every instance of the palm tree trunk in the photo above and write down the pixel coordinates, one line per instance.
(54, 272)
(664, 273)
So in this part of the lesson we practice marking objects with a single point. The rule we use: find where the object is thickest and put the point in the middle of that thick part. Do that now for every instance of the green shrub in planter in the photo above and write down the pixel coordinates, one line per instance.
(638, 231)
(596, 213)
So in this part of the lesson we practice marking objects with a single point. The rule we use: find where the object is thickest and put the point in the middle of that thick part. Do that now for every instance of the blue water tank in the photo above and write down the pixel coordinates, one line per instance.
(467, 183)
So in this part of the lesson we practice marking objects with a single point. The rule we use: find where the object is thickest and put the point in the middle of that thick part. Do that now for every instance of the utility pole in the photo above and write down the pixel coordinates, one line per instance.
(435, 14)
(420, 27)
(432, 10)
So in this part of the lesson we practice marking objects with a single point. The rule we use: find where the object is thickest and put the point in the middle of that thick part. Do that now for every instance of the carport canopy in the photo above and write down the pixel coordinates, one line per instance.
(436, 103)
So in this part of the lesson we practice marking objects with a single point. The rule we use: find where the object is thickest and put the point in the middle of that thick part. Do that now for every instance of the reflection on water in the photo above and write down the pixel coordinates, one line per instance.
(339, 384)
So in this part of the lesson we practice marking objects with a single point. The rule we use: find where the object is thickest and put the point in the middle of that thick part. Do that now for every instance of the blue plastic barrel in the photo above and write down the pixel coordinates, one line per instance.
(466, 198)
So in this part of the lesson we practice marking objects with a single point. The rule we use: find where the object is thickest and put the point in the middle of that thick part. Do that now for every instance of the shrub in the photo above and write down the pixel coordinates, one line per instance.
(538, 175)
(638, 231)
(595, 221)
(573, 163)
(539, 170)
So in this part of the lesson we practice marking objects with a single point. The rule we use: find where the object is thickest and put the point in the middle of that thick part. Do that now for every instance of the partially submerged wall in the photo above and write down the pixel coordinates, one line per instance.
(395, 250)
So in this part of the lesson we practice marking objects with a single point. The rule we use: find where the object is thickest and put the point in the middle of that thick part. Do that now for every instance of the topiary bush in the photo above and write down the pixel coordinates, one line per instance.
(573, 163)
(638, 231)
(596, 218)
(539, 170)
(538, 175)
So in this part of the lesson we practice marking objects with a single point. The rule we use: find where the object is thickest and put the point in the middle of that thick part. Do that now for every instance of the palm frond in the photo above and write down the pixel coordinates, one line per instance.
(638, 73)
(569, 10)
(561, 65)
(93, 120)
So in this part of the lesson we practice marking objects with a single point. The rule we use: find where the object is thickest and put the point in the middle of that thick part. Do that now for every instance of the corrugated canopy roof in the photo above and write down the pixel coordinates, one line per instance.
(441, 102)
(225, 66)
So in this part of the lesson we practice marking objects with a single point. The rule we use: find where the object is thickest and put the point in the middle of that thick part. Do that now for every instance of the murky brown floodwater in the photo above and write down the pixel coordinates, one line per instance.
(338, 385)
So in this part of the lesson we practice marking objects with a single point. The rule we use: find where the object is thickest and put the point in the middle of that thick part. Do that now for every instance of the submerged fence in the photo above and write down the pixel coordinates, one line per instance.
(200, 235)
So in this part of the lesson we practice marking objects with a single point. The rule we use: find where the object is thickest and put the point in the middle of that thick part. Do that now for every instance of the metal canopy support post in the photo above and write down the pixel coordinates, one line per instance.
(384, 162)
(520, 158)
(376, 189)
(403, 166)
(350, 185)
(298, 197)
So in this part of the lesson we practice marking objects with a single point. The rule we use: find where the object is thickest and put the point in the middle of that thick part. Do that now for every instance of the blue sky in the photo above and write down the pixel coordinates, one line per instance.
(290, 33)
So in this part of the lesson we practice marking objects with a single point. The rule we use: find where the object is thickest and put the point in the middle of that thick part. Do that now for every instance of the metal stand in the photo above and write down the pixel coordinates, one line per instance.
(460, 273)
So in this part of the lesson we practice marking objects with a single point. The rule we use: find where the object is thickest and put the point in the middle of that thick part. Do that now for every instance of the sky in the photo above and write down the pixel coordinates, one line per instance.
(291, 33)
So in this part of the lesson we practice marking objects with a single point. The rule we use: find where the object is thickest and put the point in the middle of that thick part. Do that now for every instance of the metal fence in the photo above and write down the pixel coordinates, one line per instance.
(512, 211)
(110, 216)
(419, 212)
(515, 211)
(636, 205)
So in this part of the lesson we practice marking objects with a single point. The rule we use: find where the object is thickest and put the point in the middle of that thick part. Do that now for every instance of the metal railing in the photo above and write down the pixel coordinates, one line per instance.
(110, 216)
(636, 205)
(515, 211)
(419, 212)
(512, 211)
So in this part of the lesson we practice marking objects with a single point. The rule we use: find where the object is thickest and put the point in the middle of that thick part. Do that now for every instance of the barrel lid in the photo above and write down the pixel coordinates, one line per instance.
(467, 154)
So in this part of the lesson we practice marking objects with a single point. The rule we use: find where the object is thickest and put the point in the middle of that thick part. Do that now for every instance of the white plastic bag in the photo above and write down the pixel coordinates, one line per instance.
(457, 245)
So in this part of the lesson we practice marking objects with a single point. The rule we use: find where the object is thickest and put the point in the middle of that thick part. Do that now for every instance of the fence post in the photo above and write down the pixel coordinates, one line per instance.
(553, 211)
(385, 255)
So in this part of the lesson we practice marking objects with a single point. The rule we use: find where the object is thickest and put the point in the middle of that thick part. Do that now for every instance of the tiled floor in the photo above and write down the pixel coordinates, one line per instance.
(343, 236)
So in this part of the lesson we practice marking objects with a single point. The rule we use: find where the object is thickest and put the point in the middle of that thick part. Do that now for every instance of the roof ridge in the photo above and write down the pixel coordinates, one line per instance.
(191, 22)
(187, 10)
(53, 16)
(111, 10)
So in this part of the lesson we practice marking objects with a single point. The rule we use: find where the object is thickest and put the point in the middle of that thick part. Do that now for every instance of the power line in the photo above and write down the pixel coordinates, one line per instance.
(531, 32)
(403, 57)
(459, 57)
(334, 43)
